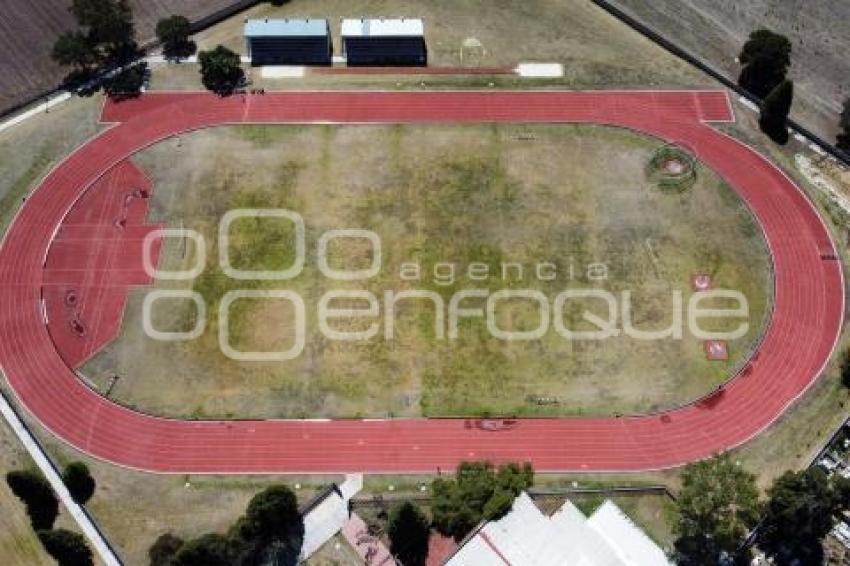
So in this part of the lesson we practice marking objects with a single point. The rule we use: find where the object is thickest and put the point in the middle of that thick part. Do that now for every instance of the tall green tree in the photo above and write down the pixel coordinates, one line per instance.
(766, 43)
(273, 513)
(34, 490)
(73, 49)
(109, 27)
(718, 506)
(773, 120)
(270, 531)
(801, 510)
(79, 481)
(104, 38)
(221, 70)
(173, 33)
(843, 139)
(766, 57)
(409, 532)
(66, 547)
(477, 492)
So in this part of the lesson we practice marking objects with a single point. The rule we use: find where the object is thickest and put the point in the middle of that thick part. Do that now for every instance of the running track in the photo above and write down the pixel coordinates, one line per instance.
(807, 317)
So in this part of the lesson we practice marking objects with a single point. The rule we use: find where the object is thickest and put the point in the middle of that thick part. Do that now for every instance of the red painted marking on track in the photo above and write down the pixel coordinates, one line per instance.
(807, 314)
(94, 259)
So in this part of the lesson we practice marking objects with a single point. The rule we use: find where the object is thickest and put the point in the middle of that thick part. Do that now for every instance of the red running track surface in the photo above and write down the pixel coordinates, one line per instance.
(807, 315)
(90, 267)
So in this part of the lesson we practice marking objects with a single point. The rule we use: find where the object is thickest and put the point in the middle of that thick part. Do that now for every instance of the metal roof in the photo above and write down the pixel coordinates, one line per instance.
(290, 27)
(380, 27)
(528, 537)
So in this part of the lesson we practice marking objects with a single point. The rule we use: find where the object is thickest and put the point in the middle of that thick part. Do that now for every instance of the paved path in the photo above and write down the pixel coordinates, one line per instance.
(807, 315)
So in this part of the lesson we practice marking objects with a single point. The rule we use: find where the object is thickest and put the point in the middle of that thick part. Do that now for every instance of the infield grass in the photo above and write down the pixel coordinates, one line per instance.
(515, 196)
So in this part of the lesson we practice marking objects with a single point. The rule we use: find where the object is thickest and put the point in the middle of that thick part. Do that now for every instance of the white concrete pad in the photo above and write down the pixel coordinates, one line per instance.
(540, 70)
(282, 72)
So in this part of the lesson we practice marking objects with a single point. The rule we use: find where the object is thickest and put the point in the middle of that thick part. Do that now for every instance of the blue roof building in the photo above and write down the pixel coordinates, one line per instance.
(291, 41)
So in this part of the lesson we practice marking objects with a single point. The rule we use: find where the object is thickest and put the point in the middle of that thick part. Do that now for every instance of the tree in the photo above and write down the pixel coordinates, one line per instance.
(498, 505)
(766, 43)
(409, 532)
(270, 531)
(73, 49)
(220, 70)
(843, 139)
(761, 76)
(164, 549)
(478, 492)
(128, 82)
(109, 28)
(774, 112)
(79, 482)
(104, 38)
(66, 547)
(173, 33)
(718, 506)
(36, 493)
(800, 512)
(766, 57)
(273, 513)
(208, 550)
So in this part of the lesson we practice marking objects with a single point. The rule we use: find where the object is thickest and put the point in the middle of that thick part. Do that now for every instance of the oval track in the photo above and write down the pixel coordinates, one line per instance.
(806, 322)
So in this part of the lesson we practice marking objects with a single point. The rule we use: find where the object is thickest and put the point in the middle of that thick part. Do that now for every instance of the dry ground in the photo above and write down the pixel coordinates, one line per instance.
(19, 545)
(596, 50)
(570, 196)
(30, 150)
(717, 29)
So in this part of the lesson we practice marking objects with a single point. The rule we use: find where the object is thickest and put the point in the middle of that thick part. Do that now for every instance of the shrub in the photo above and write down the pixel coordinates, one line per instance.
(31, 488)
(66, 547)
(79, 482)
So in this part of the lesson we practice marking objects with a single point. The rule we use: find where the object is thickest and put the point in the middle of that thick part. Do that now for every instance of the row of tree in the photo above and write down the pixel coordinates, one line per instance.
(42, 505)
(270, 532)
(102, 51)
(719, 506)
(766, 59)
